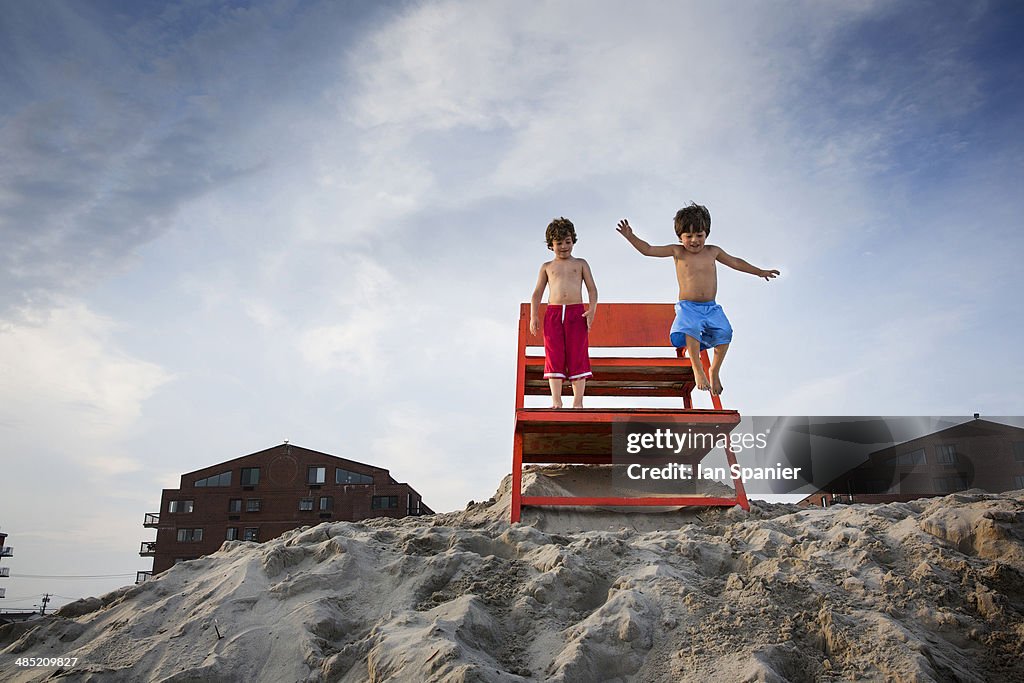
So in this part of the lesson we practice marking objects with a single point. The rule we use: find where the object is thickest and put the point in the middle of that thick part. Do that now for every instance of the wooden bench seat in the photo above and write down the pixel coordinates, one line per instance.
(620, 377)
(585, 436)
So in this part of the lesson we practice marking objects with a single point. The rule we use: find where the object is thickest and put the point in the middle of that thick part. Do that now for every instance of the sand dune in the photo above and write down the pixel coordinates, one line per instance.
(931, 590)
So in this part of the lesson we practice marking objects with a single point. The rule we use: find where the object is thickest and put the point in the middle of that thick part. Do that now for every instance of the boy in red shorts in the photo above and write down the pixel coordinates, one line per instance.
(566, 347)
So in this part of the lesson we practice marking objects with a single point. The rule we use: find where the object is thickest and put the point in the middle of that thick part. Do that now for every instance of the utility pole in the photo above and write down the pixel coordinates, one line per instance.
(46, 600)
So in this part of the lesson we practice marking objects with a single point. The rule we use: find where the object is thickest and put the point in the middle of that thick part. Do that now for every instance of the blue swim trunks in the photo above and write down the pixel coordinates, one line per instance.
(703, 320)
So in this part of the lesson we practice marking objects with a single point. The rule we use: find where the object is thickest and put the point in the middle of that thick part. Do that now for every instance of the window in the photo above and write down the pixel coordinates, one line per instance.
(384, 502)
(1018, 451)
(235, 505)
(180, 506)
(326, 503)
(345, 477)
(253, 504)
(190, 535)
(317, 475)
(306, 504)
(946, 454)
(250, 476)
(911, 458)
(222, 479)
(251, 533)
(232, 534)
(950, 484)
(864, 485)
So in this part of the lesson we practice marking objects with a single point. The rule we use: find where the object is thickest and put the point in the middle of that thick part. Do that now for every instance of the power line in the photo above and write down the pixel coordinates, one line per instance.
(71, 576)
(26, 598)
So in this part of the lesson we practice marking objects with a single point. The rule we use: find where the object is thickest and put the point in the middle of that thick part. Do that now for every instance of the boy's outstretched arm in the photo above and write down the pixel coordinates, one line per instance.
(538, 292)
(588, 280)
(739, 264)
(643, 247)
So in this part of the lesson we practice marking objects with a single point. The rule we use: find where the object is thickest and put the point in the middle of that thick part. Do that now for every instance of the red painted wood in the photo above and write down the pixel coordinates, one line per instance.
(616, 325)
(741, 490)
(533, 418)
(537, 362)
(583, 436)
(517, 475)
(666, 501)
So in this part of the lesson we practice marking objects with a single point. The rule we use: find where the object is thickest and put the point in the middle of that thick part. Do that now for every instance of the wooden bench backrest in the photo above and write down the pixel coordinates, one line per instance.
(616, 325)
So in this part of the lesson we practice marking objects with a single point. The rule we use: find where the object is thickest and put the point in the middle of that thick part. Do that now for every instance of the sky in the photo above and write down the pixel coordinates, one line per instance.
(224, 225)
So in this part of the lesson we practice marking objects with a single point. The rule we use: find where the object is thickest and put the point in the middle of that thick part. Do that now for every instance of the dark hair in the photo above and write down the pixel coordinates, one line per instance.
(693, 218)
(559, 229)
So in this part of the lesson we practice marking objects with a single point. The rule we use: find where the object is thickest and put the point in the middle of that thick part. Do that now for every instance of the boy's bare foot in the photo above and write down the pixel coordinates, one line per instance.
(701, 379)
(556, 406)
(716, 383)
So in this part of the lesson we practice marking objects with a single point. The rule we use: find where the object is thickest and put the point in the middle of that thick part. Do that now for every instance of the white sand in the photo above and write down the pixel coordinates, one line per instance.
(926, 591)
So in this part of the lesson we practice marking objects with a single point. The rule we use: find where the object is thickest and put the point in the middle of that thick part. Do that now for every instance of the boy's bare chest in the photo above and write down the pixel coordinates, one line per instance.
(697, 265)
(568, 271)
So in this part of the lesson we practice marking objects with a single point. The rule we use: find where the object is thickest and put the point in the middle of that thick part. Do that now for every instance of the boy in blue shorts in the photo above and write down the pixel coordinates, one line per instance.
(700, 323)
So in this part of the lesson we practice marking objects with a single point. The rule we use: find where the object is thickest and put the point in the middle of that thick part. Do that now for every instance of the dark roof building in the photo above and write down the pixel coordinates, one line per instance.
(262, 495)
(977, 454)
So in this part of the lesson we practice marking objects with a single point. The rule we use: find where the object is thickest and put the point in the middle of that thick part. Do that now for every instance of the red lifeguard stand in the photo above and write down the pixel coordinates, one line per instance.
(584, 436)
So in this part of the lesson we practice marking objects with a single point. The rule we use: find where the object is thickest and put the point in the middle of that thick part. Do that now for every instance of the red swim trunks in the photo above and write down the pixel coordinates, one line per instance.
(566, 344)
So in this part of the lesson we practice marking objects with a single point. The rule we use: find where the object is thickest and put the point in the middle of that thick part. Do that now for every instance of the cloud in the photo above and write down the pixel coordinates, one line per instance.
(433, 68)
(352, 346)
(113, 124)
(371, 312)
(91, 172)
(262, 313)
(66, 370)
(445, 457)
(642, 109)
(639, 89)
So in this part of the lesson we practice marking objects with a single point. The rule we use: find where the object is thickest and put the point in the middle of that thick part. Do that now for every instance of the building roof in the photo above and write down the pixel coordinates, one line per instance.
(971, 428)
(287, 448)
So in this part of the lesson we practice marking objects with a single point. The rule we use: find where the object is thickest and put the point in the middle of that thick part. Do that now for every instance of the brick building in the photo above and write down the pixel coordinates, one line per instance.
(260, 496)
(5, 551)
(978, 454)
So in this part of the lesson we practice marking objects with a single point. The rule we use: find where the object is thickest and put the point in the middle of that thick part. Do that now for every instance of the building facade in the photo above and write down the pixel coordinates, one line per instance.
(262, 495)
(5, 551)
(977, 454)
